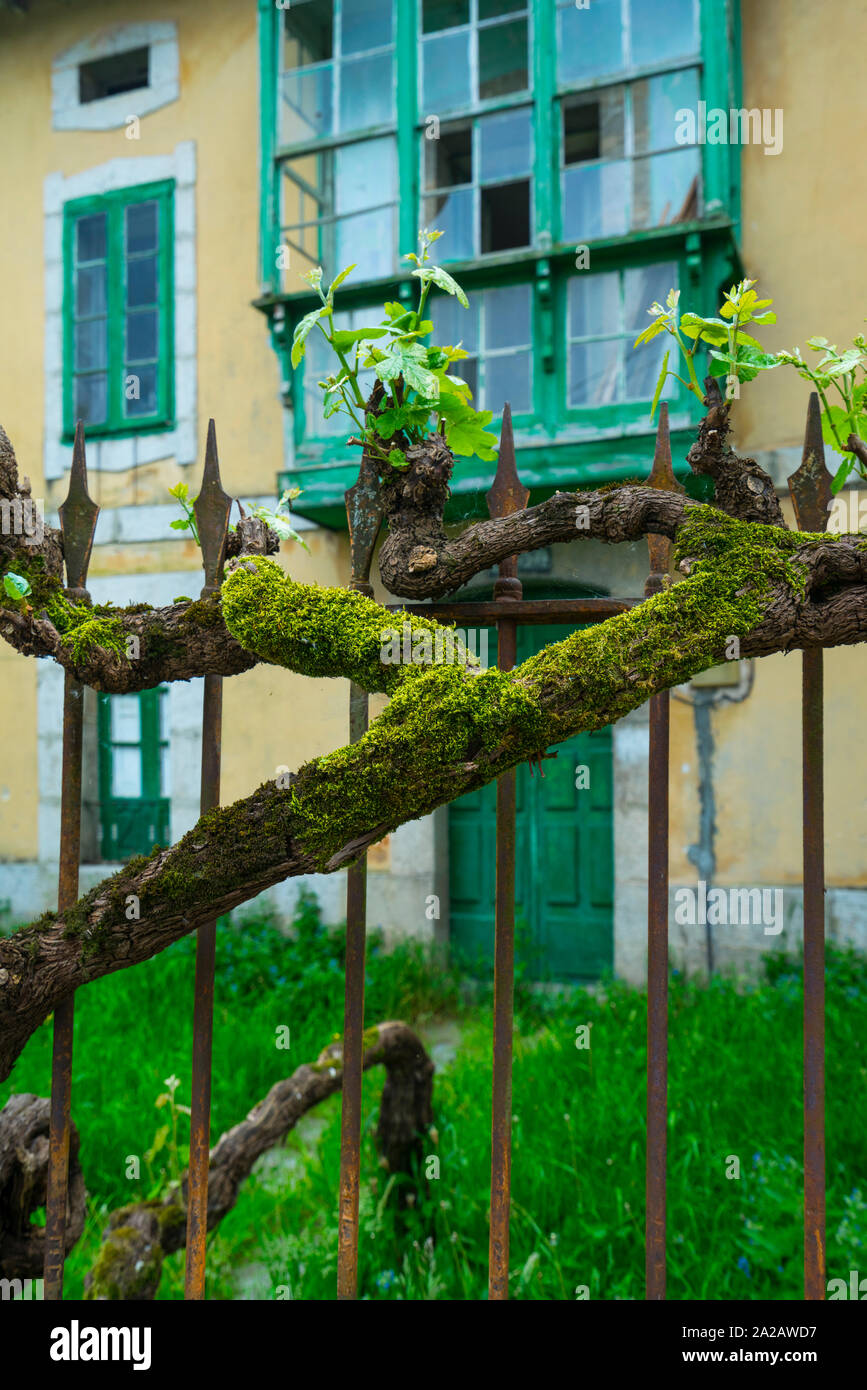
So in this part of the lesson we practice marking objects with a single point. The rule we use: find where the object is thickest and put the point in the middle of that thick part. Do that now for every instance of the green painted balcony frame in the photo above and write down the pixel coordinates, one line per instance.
(114, 204)
(556, 447)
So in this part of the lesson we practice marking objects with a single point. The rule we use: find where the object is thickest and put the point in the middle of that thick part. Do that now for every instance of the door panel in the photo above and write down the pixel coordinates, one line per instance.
(564, 857)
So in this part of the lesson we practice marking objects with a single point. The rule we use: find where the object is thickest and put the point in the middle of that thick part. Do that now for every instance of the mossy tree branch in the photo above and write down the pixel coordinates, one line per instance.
(447, 730)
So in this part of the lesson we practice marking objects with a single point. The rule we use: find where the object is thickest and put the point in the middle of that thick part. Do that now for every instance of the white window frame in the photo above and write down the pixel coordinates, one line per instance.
(109, 113)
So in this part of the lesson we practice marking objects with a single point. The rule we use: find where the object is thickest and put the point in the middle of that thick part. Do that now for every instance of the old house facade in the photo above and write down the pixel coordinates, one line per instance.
(171, 172)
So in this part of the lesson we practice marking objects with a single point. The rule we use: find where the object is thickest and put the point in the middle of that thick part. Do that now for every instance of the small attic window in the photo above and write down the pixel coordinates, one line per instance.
(108, 77)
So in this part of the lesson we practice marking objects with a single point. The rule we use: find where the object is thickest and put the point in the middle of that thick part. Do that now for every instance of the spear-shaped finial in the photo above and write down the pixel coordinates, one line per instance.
(78, 518)
(212, 508)
(810, 484)
(507, 494)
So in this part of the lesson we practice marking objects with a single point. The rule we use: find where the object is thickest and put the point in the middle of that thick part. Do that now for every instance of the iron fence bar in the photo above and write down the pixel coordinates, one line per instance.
(810, 489)
(507, 495)
(364, 516)
(77, 522)
(212, 507)
(659, 550)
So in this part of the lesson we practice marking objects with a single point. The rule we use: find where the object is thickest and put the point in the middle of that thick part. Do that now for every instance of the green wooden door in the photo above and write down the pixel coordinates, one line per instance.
(133, 773)
(564, 879)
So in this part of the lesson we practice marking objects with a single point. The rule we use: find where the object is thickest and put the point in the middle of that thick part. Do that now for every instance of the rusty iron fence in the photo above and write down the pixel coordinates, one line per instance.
(810, 493)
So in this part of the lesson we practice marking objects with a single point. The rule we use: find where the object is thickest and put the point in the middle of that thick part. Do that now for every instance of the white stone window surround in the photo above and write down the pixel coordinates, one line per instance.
(68, 113)
(116, 455)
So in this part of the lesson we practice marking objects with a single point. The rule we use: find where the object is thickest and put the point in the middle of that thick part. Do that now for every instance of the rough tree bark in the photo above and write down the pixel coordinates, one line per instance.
(137, 1237)
(448, 729)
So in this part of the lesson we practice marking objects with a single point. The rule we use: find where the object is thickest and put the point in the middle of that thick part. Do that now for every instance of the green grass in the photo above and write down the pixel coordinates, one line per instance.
(578, 1131)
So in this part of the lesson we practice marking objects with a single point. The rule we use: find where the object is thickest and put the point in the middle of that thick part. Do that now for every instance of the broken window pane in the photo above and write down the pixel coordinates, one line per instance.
(589, 42)
(446, 66)
(662, 29)
(444, 14)
(505, 145)
(503, 59)
(490, 9)
(449, 160)
(308, 33)
(505, 213)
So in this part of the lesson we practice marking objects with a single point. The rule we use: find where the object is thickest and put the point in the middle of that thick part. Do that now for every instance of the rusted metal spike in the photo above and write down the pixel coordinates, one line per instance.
(507, 494)
(661, 476)
(810, 484)
(364, 515)
(78, 517)
(212, 508)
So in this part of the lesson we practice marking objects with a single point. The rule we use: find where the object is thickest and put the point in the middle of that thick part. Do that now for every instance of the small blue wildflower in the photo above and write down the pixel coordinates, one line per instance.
(386, 1279)
(744, 1266)
(757, 1158)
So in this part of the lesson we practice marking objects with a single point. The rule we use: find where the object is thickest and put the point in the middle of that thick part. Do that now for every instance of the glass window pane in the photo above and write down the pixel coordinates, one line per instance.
(594, 372)
(90, 344)
(367, 239)
(140, 390)
(141, 335)
(444, 14)
(505, 145)
(665, 188)
(589, 41)
(446, 67)
(90, 291)
(126, 772)
(595, 201)
(452, 214)
(662, 29)
(643, 366)
(641, 287)
(165, 771)
(125, 719)
(366, 24)
(141, 227)
(366, 92)
(507, 317)
(505, 216)
(365, 174)
(507, 379)
(89, 402)
(141, 281)
(306, 105)
(90, 238)
(503, 59)
(448, 161)
(454, 324)
(655, 103)
(308, 33)
(594, 305)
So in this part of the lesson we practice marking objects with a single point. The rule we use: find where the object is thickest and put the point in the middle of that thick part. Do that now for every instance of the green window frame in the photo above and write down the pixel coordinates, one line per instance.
(118, 311)
(133, 772)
